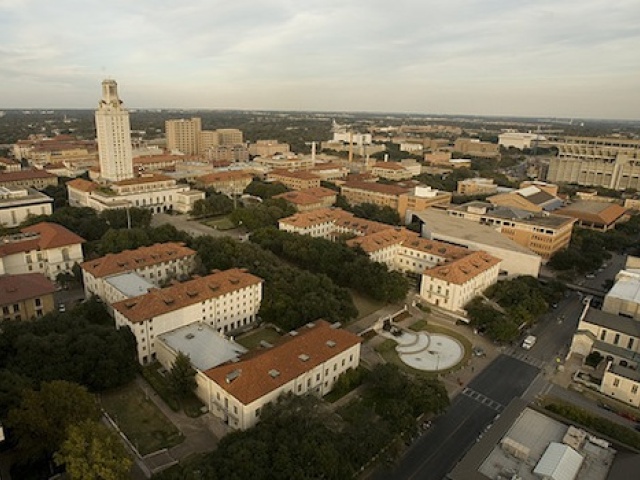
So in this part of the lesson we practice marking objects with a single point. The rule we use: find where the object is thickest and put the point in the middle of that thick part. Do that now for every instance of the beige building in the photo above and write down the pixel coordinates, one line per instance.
(227, 301)
(229, 136)
(477, 186)
(544, 234)
(391, 171)
(421, 198)
(310, 198)
(236, 386)
(230, 153)
(597, 161)
(531, 199)
(268, 148)
(520, 140)
(46, 248)
(285, 162)
(296, 180)
(357, 192)
(330, 172)
(17, 204)
(40, 151)
(38, 179)
(7, 165)
(158, 264)
(452, 285)
(183, 135)
(476, 148)
(25, 296)
(230, 183)
(595, 215)
(438, 158)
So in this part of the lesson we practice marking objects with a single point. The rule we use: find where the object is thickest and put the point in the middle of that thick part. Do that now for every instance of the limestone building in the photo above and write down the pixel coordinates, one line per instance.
(183, 135)
(25, 296)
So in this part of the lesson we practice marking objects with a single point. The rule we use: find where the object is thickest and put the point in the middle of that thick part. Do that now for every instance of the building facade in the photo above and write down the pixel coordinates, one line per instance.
(296, 180)
(25, 296)
(17, 204)
(114, 135)
(38, 179)
(183, 135)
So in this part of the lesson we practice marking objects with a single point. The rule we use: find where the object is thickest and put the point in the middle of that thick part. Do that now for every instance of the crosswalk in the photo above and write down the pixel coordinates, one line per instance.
(524, 357)
(480, 398)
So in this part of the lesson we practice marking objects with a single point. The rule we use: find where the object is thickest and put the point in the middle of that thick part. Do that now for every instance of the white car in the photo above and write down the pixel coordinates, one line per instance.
(529, 342)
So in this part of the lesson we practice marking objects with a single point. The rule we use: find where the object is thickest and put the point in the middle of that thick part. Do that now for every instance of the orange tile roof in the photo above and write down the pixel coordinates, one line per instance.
(316, 217)
(319, 191)
(376, 187)
(8, 161)
(224, 176)
(52, 235)
(145, 179)
(299, 198)
(301, 174)
(82, 185)
(175, 297)
(464, 269)
(16, 288)
(593, 212)
(25, 175)
(378, 240)
(130, 260)
(255, 374)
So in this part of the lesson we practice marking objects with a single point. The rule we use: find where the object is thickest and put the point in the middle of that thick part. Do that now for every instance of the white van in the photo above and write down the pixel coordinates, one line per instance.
(529, 342)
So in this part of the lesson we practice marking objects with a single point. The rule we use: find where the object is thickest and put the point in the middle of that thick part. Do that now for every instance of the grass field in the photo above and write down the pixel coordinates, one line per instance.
(252, 339)
(142, 422)
(365, 305)
(221, 223)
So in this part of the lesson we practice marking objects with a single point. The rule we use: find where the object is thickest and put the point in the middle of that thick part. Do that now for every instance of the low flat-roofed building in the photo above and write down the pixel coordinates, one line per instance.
(307, 361)
(595, 215)
(296, 179)
(357, 192)
(624, 296)
(157, 264)
(285, 162)
(477, 186)
(267, 148)
(516, 259)
(125, 285)
(521, 140)
(421, 198)
(25, 296)
(544, 234)
(228, 301)
(17, 204)
(330, 172)
(527, 444)
(38, 179)
(45, 247)
(391, 171)
(310, 198)
(476, 148)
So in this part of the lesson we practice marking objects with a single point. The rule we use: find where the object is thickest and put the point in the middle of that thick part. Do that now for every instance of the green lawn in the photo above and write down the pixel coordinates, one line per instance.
(221, 223)
(142, 422)
(252, 339)
(365, 305)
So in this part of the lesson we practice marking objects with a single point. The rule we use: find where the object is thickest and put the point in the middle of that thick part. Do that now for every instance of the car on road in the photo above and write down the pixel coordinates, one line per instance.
(589, 275)
(62, 308)
(529, 342)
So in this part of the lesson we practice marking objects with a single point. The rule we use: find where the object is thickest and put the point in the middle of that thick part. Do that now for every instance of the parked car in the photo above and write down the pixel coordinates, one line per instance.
(529, 342)
(62, 308)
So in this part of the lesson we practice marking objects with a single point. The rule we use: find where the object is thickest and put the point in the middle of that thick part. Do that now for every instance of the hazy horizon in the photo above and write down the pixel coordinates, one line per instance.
(544, 59)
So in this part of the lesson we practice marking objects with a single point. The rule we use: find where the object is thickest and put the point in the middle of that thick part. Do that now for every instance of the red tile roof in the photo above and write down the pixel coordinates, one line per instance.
(82, 185)
(176, 297)
(462, 270)
(225, 176)
(130, 260)
(255, 372)
(300, 174)
(53, 235)
(25, 175)
(376, 187)
(16, 288)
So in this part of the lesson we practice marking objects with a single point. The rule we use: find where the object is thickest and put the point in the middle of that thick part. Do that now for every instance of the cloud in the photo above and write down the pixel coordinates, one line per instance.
(489, 56)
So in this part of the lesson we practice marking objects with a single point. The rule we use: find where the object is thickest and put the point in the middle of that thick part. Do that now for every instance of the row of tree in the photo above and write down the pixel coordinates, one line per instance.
(347, 267)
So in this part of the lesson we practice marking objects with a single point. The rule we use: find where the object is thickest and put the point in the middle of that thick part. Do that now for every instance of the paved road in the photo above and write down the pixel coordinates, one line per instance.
(433, 455)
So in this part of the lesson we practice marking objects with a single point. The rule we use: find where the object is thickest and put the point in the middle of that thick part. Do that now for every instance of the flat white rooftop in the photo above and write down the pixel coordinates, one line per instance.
(205, 346)
(130, 284)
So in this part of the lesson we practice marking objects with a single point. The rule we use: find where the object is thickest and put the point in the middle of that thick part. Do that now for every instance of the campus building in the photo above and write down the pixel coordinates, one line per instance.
(310, 198)
(25, 296)
(476, 186)
(232, 182)
(296, 180)
(17, 204)
(38, 179)
(531, 198)
(183, 135)
(595, 215)
(46, 248)
(391, 171)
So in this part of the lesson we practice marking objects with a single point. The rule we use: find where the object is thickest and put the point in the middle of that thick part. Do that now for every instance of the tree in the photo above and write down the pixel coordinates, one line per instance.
(41, 420)
(182, 376)
(215, 204)
(265, 190)
(92, 451)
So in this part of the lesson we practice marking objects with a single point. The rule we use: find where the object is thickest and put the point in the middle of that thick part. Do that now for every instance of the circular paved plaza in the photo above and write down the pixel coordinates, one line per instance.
(430, 352)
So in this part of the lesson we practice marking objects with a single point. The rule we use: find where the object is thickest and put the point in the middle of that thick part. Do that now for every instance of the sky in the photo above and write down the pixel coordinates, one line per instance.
(544, 58)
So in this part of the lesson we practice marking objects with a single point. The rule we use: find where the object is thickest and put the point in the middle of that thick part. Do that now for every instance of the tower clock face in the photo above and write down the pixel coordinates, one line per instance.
(112, 90)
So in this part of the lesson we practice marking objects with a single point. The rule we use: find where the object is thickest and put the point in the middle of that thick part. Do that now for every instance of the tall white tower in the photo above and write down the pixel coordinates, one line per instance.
(114, 135)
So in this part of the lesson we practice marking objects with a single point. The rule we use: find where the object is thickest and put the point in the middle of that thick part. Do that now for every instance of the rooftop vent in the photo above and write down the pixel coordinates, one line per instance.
(214, 286)
(336, 325)
(304, 357)
(311, 325)
(265, 344)
(231, 376)
(331, 343)
(168, 300)
(192, 293)
(274, 373)
(293, 333)
(189, 336)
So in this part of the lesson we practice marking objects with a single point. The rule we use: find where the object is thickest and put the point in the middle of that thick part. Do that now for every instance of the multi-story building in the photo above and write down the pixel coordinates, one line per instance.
(307, 361)
(25, 296)
(285, 162)
(18, 203)
(595, 161)
(229, 136)
(46, 248)
(227, 301)
(157, 264)
(310, 198)
(357, 192)
(9, 165)
(268, 148)
(39, 151)
(544, 234)
(391, 171)
(119, 186)
(38, 179)
(230, 183)
(476, 148)
(520, 140)
(531, 199)
(477, 186)
(232, 153)
(296, 180)
(330, 172)
(452, 285)
(183, 135)
(614, 333)
(421, 198)
(114, 135)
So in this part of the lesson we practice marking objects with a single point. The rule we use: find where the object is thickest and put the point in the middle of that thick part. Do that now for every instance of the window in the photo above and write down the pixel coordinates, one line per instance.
(630, 344)
(634, 389)
(37, 302)
(603, 334)
(616, 382)
(616, 339)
